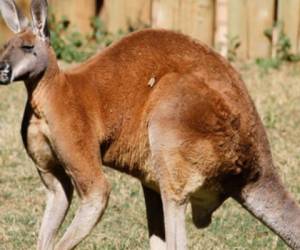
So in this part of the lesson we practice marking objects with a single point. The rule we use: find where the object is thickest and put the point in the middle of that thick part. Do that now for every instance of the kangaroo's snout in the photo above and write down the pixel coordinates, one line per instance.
(5, 73)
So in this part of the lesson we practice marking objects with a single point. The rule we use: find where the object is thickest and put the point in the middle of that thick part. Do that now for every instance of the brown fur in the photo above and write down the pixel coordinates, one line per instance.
(205, 118)
(156, 105)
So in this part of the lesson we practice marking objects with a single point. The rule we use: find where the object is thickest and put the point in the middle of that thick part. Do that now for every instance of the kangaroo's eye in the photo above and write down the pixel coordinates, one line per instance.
(27, 48)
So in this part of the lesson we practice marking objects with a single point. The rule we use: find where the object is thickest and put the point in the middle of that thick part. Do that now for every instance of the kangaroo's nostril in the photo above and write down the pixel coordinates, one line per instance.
(5, 73)
(3, 65)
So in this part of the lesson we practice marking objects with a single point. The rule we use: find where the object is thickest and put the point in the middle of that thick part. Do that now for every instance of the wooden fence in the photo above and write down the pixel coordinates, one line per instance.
(219, 23)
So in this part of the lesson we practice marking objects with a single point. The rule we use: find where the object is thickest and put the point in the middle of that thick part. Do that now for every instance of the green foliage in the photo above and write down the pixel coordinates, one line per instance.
(233, 44)
(270, 119)
(268, 63)
(72, 46)
(68, 45)
(283, 50)
(100, 34)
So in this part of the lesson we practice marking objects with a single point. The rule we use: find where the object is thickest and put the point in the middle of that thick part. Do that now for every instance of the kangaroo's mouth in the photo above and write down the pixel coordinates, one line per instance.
(5, 73)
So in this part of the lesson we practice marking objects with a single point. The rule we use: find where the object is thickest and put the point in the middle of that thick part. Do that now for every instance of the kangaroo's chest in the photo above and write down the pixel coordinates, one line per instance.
(37, 140)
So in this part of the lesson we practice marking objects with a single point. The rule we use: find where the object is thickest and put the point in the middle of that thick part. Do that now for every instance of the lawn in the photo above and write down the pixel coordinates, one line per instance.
(123, 226)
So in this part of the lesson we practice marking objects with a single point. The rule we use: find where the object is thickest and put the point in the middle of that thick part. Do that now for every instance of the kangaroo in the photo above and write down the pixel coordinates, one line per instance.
(156, 105)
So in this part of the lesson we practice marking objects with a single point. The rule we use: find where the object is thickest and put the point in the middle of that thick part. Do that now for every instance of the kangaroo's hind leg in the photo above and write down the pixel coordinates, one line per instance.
(182, 144)
(175, 224)
(169, 164)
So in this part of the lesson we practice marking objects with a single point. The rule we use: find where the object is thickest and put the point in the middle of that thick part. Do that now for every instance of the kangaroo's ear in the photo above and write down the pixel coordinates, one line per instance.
(13, 17)
(39, 12)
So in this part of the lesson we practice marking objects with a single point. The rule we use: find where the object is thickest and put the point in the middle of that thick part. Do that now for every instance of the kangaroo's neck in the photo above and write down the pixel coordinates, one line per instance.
(38, 86)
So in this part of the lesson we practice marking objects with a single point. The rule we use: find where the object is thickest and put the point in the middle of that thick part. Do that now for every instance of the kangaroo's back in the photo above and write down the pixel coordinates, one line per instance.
(126, 74)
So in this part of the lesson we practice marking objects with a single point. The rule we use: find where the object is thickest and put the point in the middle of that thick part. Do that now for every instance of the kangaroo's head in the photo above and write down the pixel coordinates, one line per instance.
(25, 56)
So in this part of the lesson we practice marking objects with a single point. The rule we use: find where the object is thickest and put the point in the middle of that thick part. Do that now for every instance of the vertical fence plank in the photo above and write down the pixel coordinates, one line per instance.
(289, 15)
(247, 19)
(197, 19)
(120, 14)
(114, 15)
(165, 14)
(138, 12)
(221, 35)
(260, 18)
(78, 12)
(237, 26)
(192, 17)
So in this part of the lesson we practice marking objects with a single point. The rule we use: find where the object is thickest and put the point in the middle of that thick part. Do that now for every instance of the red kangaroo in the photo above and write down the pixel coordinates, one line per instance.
(157, 105)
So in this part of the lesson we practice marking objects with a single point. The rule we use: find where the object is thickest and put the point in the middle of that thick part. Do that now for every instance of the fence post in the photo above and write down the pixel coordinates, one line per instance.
(260, 18)
(192, 17)
(120, 14)
(248, 20)
(78, 12)
(113, 15)
(165, 14)
(237, 26)
(221, 35)
(289, 15)
(138, 13)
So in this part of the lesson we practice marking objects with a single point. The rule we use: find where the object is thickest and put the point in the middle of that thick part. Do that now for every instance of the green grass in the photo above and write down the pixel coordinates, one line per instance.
(22, 199)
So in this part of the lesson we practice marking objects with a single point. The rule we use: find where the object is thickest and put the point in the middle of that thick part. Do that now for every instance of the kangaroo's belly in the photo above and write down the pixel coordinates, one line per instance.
(131, 154)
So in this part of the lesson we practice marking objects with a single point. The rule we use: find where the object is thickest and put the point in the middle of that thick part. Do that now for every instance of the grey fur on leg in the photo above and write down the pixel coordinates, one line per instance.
(87, 216)
(174, 214)
(59, 191)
